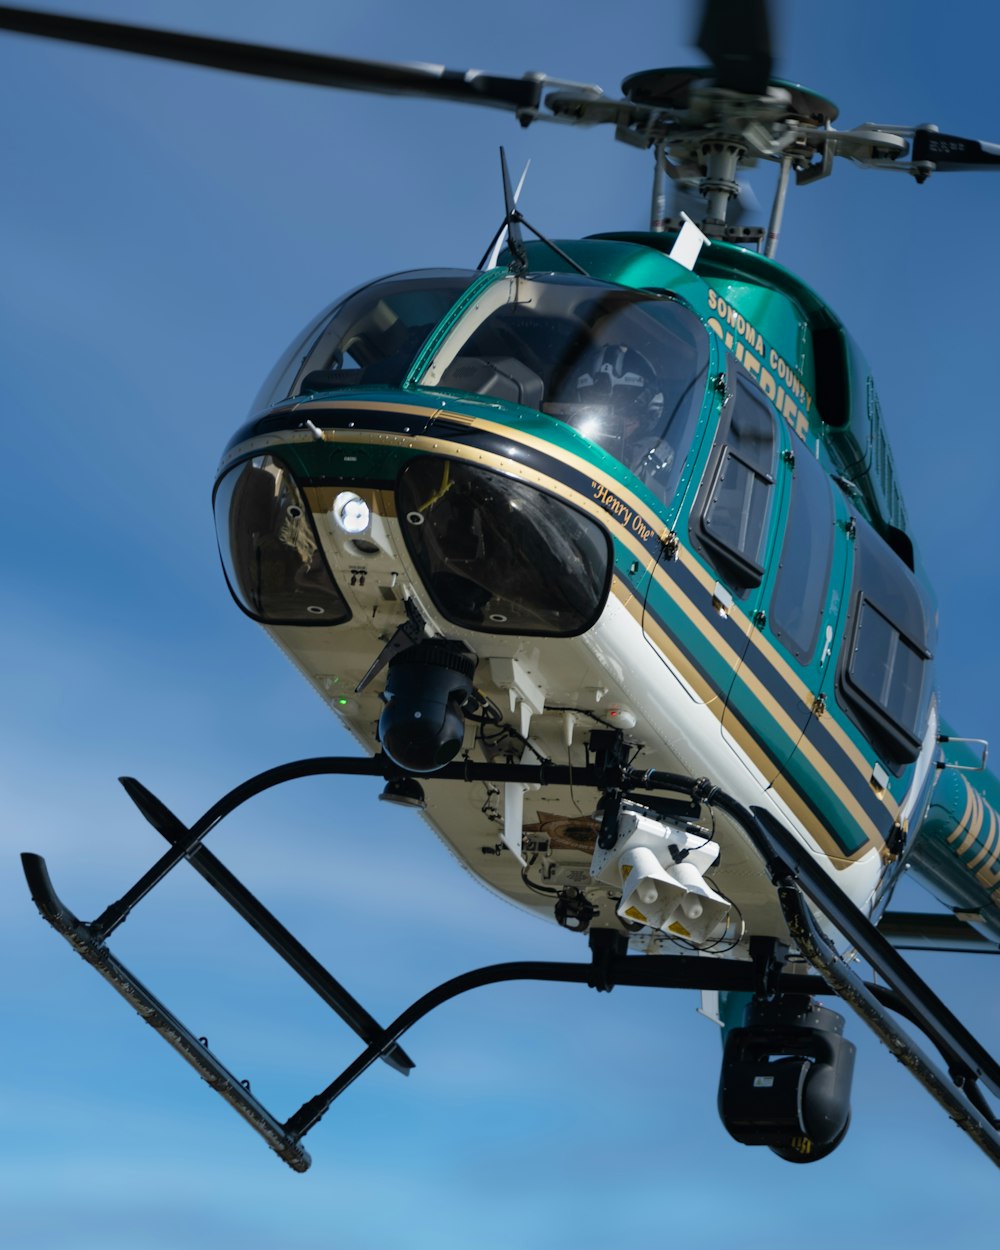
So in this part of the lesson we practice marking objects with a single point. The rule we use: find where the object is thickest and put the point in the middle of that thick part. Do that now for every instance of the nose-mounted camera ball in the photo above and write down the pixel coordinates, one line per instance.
(423, 725)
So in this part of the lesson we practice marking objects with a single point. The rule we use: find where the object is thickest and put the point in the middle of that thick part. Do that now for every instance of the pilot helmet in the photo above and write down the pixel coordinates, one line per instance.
(621, 396)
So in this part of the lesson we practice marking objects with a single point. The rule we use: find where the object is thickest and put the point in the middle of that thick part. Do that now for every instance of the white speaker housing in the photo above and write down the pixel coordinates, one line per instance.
(660, 869)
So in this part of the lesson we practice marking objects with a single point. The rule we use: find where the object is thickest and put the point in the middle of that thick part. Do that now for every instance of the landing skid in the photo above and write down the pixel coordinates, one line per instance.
(797, 879)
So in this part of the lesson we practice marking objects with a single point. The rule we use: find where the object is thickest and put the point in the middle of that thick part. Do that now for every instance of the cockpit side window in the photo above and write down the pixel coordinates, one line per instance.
(627, 369)
(885, 676)
(802, 583)
(369, 338)
(730, 518)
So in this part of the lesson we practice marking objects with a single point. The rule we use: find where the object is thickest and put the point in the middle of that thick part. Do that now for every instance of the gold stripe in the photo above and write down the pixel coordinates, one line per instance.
(793, 680)
(988, 842)
(986, 871)
(370, 405)
(753, 750)
(969, 803)
(793, 731)
(986, 874)
(690, 673)
(975, 824)
(500, 463)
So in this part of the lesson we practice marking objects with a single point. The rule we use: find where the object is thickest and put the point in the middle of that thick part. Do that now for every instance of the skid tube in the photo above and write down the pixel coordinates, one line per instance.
(797, 879)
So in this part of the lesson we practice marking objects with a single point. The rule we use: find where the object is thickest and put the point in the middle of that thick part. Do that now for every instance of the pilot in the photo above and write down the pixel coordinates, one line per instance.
(622, 410)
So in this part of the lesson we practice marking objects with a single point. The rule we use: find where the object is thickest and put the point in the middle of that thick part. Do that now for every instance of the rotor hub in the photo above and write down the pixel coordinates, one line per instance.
(676, 88)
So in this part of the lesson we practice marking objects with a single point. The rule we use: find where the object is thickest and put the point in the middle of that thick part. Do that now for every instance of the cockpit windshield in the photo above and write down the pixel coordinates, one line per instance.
(371, 337)
(627, 369)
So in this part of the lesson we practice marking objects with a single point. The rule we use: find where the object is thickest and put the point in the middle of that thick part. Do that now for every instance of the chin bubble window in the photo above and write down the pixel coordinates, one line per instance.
(499, 555)
(270, 552)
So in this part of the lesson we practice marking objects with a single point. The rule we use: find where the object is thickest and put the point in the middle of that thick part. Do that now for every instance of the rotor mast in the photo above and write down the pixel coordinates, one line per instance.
(722, 157)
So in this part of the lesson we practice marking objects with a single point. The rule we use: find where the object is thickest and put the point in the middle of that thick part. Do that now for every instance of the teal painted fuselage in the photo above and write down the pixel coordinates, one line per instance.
(652, 498)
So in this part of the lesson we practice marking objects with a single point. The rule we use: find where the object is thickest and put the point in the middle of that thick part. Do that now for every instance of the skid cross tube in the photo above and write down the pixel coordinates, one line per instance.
(688, 972)
(264, 923)
(335, 765)
(90, 939)
(798, 880)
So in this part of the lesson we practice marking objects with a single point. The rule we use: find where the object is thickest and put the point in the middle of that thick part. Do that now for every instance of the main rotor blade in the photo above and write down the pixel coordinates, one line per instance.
(953, 153)
(520, 95)
(735, 35)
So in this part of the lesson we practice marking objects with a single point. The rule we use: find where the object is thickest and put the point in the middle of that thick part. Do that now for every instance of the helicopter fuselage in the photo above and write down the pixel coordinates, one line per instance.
(711, 559)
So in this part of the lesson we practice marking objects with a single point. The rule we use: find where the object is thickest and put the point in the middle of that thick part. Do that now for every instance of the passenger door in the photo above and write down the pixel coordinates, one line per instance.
(744, 525)
(793, 646)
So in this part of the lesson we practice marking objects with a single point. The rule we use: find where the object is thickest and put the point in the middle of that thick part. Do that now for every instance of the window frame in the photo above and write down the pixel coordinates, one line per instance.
(684, 409)
(880, 574)
(801, 497)
(424, 557)
(732, 563)
(225, 485)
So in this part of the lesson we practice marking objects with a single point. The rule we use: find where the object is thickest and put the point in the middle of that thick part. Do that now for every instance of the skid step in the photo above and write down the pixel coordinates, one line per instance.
(159, 1017)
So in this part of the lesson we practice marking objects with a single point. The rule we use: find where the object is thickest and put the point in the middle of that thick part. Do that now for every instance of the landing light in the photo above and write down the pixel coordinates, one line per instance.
(351, 513)
(590, 423)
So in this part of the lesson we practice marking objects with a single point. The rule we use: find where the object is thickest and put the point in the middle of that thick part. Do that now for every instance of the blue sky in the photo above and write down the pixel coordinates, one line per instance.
(163, 233)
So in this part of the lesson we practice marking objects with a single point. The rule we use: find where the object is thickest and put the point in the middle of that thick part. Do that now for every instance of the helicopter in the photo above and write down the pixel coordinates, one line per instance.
(605, 515)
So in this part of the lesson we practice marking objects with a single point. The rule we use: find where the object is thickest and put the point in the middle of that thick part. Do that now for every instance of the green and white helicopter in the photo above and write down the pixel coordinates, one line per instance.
(598, 552)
